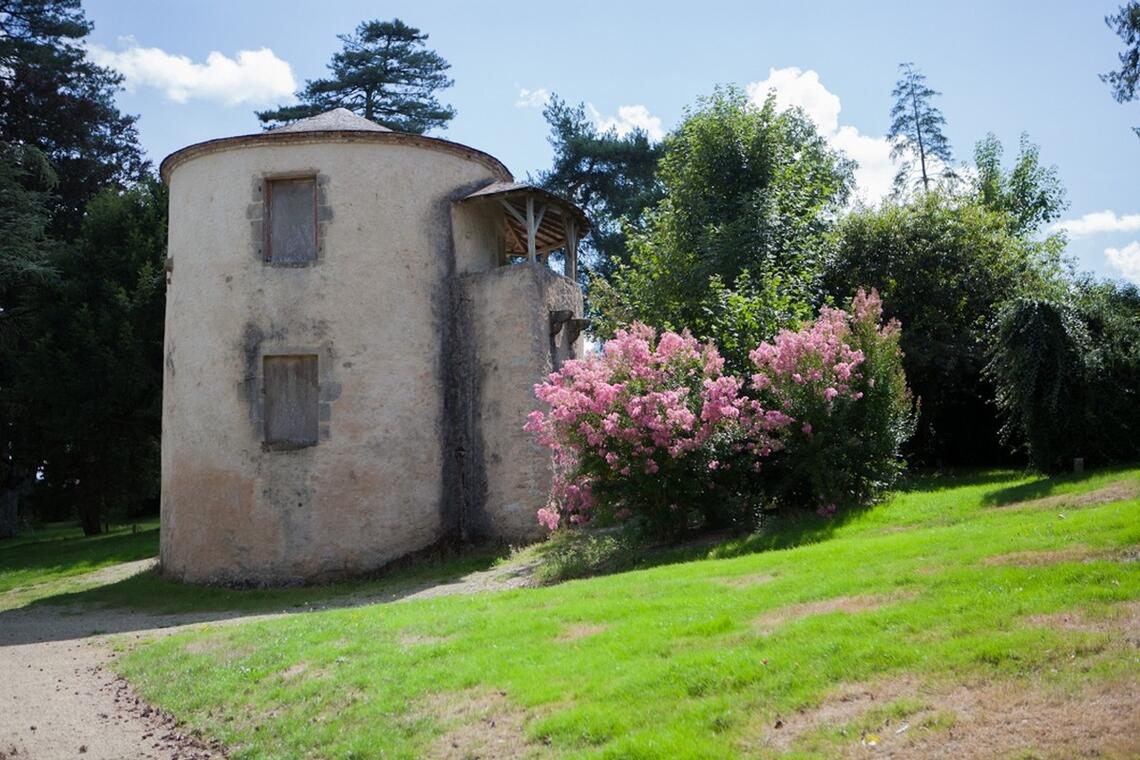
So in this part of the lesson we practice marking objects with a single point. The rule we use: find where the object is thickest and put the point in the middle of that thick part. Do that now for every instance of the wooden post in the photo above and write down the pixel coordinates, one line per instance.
(571, 247)
(530, 229)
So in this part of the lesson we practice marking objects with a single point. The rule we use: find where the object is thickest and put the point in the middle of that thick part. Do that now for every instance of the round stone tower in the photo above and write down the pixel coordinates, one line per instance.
(355, 318)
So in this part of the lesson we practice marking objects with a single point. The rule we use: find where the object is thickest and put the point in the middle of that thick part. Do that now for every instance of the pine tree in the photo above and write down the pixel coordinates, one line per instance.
(56, 100)
(613, 177)
(386, 74)
(916, 129)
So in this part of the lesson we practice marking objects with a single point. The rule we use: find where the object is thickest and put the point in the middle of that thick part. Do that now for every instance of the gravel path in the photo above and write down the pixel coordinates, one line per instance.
(59, 698)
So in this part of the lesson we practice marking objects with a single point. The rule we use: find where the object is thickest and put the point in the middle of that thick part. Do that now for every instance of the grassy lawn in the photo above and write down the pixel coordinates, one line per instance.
(52, 559)
(969, 606)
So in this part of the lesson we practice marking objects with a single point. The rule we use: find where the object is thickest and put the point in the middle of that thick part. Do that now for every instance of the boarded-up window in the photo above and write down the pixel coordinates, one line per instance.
(292, 400)
(292, 222)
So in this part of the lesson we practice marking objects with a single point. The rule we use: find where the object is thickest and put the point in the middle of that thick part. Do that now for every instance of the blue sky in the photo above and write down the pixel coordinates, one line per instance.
(198, 70)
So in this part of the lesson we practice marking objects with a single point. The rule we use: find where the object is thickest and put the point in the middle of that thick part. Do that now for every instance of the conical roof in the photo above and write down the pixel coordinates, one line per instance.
(336, 120)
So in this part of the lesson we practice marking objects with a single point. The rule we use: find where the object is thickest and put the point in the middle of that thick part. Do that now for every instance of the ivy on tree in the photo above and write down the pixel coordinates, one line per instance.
(384, 73)
(916, 130)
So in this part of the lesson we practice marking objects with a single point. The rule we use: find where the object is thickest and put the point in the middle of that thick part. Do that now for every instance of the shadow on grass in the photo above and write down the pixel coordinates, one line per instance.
(929, 480)
(36, 561)
(582, 554)
(147, 600)
(1046, 485)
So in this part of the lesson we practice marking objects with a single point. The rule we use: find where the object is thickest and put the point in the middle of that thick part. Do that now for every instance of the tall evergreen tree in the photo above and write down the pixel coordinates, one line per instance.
(1126, 23)
(612, 177)
(386, 74)
(55, 99)
(916, 130)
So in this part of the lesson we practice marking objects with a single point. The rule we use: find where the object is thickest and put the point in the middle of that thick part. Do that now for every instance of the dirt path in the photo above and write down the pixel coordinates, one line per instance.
(59, 698)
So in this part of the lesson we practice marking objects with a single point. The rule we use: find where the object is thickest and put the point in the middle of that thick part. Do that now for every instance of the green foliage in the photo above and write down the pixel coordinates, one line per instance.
(943, 266)
(916, 130)
(1126, 23)
(738, 241)
(91, 373)
(1030, 194)
(54, 99)
(1067, 375)
(384, 73)
(613, 178)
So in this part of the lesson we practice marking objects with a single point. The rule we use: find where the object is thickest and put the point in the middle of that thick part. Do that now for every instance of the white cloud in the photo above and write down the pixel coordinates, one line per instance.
(254, 77)
(627, 120)
(1098, 222)
(1126, 260)
(532, 98)
(796, 88)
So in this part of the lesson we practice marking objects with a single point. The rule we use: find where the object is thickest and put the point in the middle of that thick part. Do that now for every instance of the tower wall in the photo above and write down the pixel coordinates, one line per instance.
(375, 308)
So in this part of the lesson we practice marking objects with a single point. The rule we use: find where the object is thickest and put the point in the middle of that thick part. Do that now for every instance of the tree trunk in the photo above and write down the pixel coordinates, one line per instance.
(91, 517)
(9, 512)
(90, 502)
(921, 148)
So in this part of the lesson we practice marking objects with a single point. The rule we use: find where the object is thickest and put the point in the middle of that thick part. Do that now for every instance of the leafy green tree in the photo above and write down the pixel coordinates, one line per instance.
(944, 265)
(56, 100)
(612, 177)
(90, 375)
(1030, 193)
(916, 130)
(384, 73)
(1126, 23)
(736, 247)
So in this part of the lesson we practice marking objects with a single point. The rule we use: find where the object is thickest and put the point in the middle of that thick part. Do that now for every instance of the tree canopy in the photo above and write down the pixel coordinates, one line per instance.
(1030, 193)
(944, 264)
(735, 248)
(385, 73)
(89, 380)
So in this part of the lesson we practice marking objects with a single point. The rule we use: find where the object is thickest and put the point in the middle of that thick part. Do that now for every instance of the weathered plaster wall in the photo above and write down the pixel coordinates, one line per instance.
(375, 307)
(478, 231)
(508, 309)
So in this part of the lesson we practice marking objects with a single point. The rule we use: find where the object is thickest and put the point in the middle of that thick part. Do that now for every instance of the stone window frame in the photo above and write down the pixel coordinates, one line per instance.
(328, 392)
(258, 214)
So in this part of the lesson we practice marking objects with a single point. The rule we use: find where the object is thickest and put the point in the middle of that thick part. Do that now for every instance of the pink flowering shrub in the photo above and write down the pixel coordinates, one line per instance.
(841, 379)
(649, 427)
(652, 428)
